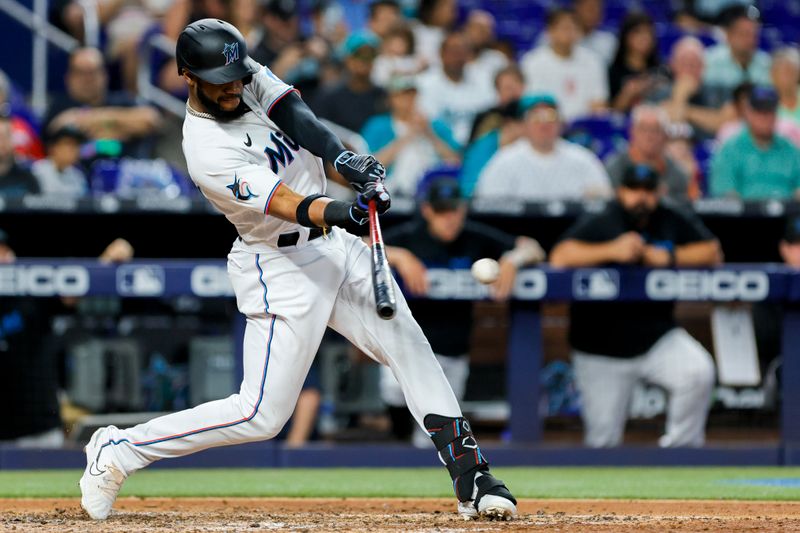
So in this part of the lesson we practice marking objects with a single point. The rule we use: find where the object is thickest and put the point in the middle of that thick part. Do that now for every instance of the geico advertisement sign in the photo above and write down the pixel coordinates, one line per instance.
(720, 285)
(446, 284)
(43, 280)
(210, 281)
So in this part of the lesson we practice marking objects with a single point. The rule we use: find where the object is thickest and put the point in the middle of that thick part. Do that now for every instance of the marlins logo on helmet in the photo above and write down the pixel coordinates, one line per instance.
(231, 52)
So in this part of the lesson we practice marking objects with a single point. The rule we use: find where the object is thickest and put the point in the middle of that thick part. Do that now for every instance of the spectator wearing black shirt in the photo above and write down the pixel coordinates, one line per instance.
(616, 344)
(100, 114)
(354, 100)
(15, 181)
(632, 73)
(443, 238)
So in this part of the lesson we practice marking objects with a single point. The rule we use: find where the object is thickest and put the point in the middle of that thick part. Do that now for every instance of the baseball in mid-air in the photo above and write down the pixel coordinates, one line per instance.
(486, 270)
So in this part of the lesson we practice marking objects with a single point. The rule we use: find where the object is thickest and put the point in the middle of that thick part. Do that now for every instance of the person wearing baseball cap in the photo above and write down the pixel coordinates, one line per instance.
(355, 99)
(541, 166)
(444, 237)
(757, 163)
(617, 343)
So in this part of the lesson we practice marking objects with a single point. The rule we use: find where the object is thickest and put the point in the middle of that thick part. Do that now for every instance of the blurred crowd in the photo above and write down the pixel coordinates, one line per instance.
(533, 100)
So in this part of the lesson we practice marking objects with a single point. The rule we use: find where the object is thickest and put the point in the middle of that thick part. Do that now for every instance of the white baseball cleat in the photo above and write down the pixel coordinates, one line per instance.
(490, 500)
(101, 480)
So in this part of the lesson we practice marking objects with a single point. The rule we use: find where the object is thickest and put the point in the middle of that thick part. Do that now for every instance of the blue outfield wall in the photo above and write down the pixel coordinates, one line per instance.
(273, 455)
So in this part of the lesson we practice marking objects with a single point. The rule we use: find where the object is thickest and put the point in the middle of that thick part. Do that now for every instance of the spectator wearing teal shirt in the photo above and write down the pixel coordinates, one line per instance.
(757, 163)
(739, 59)
(406, 141)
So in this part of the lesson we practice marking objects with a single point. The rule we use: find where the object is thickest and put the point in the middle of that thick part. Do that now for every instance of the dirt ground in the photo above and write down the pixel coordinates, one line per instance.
(374, 515)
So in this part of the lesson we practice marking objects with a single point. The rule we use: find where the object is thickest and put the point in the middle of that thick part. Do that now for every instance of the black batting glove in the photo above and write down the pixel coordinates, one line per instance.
(359, 169)
(373, 190)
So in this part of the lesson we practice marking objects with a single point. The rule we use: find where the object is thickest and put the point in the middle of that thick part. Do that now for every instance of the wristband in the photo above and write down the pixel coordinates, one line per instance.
(301, 214)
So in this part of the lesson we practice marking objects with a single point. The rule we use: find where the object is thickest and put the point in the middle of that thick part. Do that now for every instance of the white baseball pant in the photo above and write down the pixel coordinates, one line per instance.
(676, 362)
(289, 295)
(456, 370)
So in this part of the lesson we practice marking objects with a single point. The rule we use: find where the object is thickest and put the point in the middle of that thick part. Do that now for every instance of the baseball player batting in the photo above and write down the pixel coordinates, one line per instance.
(256, 151)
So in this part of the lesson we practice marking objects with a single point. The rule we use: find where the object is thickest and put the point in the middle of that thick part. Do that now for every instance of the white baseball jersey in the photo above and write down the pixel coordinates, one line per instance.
(239, 164)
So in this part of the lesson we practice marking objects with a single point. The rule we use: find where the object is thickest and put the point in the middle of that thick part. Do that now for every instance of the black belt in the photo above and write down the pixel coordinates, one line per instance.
(290, 239)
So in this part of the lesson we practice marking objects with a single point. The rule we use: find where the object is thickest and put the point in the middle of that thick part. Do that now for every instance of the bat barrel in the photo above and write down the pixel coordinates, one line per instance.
(385, 302)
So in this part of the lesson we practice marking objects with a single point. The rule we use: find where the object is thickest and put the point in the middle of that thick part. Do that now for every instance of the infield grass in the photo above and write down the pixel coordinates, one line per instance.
(561, 482)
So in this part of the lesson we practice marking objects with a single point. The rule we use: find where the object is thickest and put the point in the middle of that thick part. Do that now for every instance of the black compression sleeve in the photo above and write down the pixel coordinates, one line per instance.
(294, 118)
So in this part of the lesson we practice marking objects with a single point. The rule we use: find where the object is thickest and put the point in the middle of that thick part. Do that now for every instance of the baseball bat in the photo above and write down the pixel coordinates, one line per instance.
(385, 302)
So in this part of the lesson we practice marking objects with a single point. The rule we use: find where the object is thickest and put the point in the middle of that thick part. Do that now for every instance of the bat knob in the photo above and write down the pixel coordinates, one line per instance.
(386, 311)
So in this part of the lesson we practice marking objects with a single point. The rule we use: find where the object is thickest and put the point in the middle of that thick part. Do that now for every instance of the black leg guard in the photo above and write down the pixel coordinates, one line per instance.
(460, 453)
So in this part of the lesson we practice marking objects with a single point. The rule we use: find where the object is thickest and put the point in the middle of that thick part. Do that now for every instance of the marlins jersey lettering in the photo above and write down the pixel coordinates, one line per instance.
(239, 164)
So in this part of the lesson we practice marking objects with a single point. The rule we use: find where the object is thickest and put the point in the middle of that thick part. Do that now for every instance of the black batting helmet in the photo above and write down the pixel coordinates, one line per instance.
(214, 51)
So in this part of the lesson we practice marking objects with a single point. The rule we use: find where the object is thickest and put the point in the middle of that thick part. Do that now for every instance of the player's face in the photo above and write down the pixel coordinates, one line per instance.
(223, 101)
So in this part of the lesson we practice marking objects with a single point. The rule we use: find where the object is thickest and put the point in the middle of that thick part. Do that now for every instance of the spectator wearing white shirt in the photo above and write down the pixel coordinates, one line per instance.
(589, 14)
(397, 57)
(541, 166)
(480, 33)
(451, 92)
(436, 18)
(58, 174)
(562, 67)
